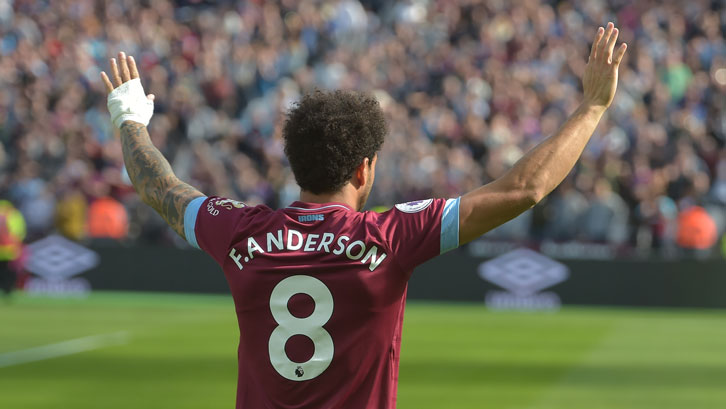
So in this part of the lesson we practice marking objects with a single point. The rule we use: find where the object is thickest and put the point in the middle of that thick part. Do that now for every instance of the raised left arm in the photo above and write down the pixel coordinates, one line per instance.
(544, 167)
(149, 171)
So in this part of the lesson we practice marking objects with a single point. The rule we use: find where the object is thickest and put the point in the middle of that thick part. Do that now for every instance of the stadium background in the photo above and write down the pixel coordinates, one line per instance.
(467, 87)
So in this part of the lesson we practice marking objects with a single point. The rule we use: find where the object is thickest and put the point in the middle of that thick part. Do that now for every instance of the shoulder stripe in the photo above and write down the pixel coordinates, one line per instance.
(190, 219)
(450, 225)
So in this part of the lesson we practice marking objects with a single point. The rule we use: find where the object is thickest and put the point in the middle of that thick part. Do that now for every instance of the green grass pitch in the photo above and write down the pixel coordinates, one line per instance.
(178, 351)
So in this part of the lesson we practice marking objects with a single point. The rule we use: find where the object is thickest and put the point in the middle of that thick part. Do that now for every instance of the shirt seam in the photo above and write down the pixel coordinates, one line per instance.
(318, 208)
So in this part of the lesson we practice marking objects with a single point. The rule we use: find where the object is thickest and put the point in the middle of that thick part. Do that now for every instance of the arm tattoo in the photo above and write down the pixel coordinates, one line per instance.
(153, 177)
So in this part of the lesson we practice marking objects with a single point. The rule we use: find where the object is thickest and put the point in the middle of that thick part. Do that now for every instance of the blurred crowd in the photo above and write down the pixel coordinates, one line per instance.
(467, 86)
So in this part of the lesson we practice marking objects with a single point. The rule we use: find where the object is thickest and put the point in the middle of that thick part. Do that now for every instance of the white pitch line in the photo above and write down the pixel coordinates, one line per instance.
(70, 347)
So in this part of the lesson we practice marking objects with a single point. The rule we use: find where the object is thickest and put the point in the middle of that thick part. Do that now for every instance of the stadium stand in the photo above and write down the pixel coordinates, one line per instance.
(467, 87)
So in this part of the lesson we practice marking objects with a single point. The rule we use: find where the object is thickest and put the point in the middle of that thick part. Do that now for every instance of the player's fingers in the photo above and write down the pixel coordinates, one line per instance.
(114, 73)
(611, 44)
(132, 68)
(604, 41)
(125, 74)
(151, 97)
(106, 82)
(598, 37)
(619, 54)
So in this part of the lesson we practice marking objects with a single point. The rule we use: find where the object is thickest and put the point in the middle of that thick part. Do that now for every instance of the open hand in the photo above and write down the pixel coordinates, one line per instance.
(127, 73)
(127, 100)
(601, 73)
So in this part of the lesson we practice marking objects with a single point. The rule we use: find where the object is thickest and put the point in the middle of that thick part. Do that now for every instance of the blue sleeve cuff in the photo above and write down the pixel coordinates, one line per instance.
(450, 225)
(190, 220)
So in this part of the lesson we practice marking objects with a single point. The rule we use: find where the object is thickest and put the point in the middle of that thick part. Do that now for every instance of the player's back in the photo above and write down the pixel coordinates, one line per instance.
(319, 292)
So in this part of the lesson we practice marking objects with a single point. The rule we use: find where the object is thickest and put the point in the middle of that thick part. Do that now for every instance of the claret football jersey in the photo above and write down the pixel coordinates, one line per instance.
(319, 291)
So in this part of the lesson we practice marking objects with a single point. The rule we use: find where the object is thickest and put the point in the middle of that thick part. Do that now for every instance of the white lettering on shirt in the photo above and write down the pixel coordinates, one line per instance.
(252, 246)
(341, 246)
(299, 236)
(296, 241)
(349, 250)
(310, 242)
(272, 239)
(375, 261)
(327, 239)
(236, 257)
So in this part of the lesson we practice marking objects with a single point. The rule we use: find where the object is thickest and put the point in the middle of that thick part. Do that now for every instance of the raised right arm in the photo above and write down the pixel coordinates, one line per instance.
(536, 174)
(150, 173)
(153, 178)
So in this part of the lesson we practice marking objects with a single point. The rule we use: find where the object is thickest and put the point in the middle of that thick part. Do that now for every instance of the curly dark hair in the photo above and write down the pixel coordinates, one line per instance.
(328, 134)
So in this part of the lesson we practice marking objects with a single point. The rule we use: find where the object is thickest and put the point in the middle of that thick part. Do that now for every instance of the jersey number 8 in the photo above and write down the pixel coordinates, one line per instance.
(311, 327)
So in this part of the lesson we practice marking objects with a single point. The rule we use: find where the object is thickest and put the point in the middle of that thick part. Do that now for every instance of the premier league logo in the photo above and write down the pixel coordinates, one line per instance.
(415, 206)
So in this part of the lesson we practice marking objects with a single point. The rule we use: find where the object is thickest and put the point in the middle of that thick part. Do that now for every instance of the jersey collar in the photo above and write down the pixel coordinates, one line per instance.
(306, 207)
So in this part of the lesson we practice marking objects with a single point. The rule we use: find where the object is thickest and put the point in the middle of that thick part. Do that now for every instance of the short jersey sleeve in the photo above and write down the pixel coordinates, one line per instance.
(211, 223)
(420, 230)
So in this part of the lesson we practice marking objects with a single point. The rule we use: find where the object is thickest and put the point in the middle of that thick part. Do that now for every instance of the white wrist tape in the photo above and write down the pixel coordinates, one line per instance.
(128, 102)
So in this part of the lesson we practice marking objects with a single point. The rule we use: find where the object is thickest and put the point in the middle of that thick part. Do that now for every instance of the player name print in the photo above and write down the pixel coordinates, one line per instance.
(293, 240)
(415, 206)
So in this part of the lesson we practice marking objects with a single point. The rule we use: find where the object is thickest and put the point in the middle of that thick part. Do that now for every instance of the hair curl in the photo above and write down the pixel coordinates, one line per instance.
(328, 134)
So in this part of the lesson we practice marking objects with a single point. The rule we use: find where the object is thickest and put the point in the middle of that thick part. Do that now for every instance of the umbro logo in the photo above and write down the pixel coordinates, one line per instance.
(55, 260)
(524, 273)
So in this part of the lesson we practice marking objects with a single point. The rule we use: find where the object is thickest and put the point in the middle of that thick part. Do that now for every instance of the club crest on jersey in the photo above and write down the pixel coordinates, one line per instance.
(415, 206)
(229, 204)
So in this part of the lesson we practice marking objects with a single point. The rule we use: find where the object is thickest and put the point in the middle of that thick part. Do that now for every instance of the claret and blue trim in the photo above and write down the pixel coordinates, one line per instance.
(190, 219)
(450, 225)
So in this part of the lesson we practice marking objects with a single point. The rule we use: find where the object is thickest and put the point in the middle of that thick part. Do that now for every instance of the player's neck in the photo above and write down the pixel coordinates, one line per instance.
(346, 195)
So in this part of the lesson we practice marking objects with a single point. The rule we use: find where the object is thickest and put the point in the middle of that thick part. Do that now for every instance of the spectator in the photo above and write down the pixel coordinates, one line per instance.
(466, 86)
(107, 219)
(564, 211)
(12, 234)
(696, 229)
(606, 218)
(70, 217)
